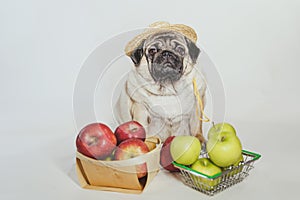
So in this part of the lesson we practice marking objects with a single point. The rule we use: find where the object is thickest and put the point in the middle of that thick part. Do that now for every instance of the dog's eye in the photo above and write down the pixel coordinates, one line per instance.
(152, 51)
(180, 50)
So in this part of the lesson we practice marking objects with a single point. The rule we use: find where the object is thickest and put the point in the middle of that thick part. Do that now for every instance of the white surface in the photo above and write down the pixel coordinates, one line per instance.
(254, 44)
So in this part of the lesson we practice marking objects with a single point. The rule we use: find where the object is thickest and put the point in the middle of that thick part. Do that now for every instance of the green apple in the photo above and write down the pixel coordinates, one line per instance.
(235, 168)
(185, 149)
(224, 149)
(206, 167)
(220, 127)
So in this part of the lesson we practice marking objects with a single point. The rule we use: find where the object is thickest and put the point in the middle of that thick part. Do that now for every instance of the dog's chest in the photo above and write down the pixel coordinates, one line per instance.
(171, 107)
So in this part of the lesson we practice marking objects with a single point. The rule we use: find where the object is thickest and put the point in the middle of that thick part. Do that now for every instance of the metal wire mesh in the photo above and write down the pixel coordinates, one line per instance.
(228, 178)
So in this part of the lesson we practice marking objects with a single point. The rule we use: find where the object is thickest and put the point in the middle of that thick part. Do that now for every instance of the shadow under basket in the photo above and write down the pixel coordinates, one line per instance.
(119, 175)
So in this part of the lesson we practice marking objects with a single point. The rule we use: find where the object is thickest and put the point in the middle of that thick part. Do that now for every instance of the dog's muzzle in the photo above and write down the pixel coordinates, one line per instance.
(166, 67)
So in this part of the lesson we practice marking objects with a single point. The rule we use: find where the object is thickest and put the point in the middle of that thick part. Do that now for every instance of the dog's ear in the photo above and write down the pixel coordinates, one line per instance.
(137, 54)
(193, 50)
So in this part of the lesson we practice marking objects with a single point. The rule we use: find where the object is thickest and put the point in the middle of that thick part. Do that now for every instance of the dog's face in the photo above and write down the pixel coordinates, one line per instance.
(165, 56)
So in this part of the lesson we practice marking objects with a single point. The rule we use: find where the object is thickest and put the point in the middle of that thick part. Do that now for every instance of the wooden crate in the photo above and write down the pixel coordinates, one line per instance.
(119, 175)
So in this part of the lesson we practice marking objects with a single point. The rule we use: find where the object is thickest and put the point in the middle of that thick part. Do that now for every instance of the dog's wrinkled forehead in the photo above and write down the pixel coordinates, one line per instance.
(165, 40)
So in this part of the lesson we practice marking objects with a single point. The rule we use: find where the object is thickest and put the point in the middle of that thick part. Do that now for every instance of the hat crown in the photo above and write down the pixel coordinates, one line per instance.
(159, 24)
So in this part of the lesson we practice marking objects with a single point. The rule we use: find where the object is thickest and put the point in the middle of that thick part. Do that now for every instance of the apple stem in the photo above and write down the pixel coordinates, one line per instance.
(213, 123)
(222, 139)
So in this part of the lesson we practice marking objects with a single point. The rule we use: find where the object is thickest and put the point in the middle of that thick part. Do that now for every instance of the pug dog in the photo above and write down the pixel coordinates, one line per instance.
(158, 92)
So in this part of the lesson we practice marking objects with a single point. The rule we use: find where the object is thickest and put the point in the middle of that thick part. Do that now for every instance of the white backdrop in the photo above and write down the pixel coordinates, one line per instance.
(255, 46)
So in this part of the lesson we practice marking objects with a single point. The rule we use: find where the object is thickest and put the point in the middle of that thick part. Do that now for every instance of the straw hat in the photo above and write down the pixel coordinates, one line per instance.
(158, 27)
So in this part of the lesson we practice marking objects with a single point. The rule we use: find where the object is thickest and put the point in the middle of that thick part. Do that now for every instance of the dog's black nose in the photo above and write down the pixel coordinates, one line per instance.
(167, 54)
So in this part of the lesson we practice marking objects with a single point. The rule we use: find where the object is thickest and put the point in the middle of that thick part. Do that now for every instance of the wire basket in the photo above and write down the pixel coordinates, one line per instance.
(211, 185)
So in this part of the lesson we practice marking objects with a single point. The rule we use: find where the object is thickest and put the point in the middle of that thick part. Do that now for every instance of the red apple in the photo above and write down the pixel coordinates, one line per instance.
(96, 140)
(131, 129)
(132, 148)
(165, 156)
